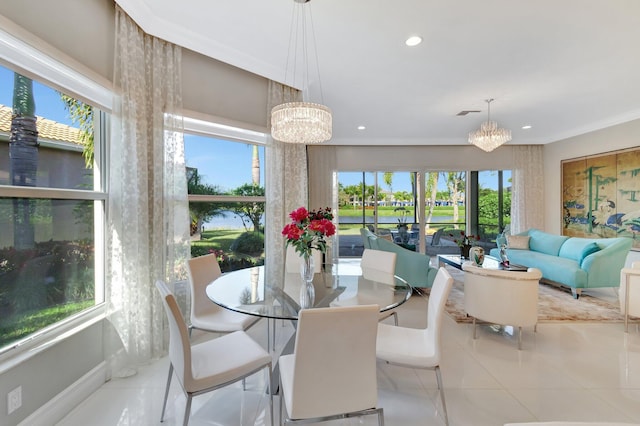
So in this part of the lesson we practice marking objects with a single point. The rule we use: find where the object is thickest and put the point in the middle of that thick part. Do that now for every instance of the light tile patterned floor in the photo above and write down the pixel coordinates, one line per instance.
(574, 371)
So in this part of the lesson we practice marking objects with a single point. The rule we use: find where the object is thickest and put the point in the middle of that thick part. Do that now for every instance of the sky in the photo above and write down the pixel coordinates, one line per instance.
(48, 102)
(224, 163)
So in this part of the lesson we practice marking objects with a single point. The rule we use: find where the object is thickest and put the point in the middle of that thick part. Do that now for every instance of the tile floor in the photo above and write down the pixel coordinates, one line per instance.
(572, 371)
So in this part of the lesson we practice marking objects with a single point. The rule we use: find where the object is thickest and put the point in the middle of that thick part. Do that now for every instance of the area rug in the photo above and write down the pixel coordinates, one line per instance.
(554, 304)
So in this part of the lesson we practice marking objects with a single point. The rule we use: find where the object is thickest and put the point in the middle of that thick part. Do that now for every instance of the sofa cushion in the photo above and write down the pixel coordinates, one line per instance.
(589, 249)
(573, 247)
(387, 237)
(520, 242)
(554, 268)
(546, 243)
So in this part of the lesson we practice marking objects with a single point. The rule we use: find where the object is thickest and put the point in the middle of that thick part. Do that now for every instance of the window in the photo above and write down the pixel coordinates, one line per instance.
(226, 195)
(51, 199)
(385, 201)
(491, 209)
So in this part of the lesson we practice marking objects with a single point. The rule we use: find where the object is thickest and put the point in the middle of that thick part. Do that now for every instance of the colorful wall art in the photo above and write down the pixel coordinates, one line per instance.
(601, 196)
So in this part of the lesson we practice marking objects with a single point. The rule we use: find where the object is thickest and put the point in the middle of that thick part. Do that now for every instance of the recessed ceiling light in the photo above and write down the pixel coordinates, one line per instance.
(413, 41)
(361, 127)
(527, 127)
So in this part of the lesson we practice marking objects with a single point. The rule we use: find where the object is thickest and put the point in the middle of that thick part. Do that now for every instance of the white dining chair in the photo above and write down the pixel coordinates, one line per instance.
(419, 348)
(384, 261)
(206, 315)
(381, 261)
(209, 365)
(332, 372)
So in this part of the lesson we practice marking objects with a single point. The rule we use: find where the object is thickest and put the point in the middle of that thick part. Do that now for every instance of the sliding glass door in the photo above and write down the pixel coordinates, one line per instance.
(380, 201)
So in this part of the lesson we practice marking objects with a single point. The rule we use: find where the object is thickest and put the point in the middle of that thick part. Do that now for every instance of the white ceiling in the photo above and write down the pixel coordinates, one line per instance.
(563, 67)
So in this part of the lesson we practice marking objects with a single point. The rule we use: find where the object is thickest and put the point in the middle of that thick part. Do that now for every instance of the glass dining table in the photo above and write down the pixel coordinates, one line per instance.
(253, 291)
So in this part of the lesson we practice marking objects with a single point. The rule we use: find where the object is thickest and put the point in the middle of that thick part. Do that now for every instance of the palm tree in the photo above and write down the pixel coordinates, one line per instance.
(23, 153)
(82, 114)
(200, 212)
(455, 184)
(255, 166)
(432, 187)
(353, 191)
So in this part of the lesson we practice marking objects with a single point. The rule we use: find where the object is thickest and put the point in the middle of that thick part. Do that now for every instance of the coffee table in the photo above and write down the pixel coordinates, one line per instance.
(456, 261)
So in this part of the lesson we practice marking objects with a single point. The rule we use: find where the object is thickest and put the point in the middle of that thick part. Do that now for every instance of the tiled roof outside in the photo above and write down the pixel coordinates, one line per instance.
(47, 129)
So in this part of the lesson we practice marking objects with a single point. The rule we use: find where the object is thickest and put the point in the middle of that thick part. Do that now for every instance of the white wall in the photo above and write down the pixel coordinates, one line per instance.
(614, 138)
(84, 31)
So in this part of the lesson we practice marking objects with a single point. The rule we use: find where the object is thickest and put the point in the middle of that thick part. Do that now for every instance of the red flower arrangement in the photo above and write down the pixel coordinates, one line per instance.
(308, 230)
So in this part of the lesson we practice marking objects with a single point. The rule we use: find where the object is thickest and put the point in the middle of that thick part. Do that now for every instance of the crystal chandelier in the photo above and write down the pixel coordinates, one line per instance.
(301, 122)
(489, 136)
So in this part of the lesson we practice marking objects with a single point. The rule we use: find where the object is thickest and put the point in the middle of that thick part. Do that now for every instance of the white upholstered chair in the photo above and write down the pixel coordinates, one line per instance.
(380, 261)
(206, 315)
(419, 348)
(212, 364)
(384, 261)
(332, 372)
(501, 297)
(630, 285)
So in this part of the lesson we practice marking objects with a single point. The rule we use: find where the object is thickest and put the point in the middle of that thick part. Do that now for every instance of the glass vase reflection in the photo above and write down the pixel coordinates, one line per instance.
(307, 291)
(307, 295)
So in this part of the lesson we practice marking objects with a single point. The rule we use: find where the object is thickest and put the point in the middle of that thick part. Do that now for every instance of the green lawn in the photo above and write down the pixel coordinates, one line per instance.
(347, 211)
(221, 239)
(16, 327)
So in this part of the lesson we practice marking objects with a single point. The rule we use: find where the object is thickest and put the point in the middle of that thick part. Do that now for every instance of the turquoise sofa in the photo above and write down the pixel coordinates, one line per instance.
(413, 267)
(571, 261)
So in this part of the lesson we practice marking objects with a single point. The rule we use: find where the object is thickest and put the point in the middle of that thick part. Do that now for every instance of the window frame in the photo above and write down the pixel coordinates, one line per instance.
(42, 64)
(212, 129)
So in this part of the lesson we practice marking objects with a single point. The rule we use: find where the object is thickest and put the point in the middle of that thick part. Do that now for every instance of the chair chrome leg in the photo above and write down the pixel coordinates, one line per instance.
(519, 338)
(166, 392)
(273, 334)
(270, 393)
(441, 389)
(380, 417)
(474, 328)
(187, 410)
(395, 318)
(282, 419)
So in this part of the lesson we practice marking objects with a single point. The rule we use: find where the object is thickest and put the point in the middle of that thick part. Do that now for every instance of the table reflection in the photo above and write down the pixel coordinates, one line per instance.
(253, 291)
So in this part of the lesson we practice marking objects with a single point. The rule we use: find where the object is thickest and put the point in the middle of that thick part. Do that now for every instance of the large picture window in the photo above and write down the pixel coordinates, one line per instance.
(226, 187)
(51, 207)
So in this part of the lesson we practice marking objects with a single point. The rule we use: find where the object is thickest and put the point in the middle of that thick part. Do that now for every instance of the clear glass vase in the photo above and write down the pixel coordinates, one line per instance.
(307, 291)
(307, 295)
(307, 268)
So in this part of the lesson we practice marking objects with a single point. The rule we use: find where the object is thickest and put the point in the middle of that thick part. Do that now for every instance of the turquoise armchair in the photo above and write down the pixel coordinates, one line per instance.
(411, 266)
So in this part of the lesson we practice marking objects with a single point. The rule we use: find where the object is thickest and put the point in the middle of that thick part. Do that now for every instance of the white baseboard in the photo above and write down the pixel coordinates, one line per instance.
(59, 406)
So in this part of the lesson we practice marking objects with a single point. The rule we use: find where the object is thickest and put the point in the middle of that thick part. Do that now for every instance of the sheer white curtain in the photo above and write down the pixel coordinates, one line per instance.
(147, 218)
(286, 182)
(527, 195)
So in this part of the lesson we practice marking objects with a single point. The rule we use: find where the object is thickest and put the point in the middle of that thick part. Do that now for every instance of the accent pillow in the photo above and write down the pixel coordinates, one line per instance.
(519, 242)
(587, 250)
(387, 237)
